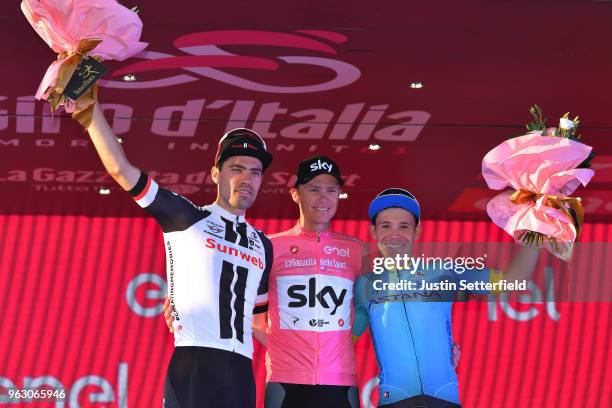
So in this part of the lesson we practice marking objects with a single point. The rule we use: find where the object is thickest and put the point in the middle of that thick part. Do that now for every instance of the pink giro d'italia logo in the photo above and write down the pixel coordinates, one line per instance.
(202, 58)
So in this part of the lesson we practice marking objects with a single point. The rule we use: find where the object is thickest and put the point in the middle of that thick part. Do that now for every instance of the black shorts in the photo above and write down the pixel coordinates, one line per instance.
(202, 377)
(422, 401)
(284, 395)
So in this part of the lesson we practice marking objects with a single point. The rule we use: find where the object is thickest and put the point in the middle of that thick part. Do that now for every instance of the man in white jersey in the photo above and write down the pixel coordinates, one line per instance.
(217, 268)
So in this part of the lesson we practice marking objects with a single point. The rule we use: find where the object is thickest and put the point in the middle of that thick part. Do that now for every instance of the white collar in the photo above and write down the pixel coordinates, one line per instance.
(216, 208)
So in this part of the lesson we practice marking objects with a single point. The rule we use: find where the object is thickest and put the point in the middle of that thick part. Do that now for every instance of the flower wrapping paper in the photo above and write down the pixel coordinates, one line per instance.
(540, 164)
(63, 24)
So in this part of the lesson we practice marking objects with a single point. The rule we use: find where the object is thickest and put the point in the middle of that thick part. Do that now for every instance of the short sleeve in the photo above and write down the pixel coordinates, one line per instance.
(484, 275)
(172, 211)
(261, 301)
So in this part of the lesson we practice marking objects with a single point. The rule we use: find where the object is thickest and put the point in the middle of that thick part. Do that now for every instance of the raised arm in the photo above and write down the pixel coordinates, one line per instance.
(110, 151)
(521, 268)
(523, 264)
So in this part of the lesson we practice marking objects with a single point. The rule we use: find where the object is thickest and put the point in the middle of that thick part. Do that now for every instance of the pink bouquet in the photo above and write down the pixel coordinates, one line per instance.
(77, 30)
(544, 167)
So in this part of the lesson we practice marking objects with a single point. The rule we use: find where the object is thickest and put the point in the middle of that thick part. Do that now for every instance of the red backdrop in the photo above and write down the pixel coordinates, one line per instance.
(81, 307)
(341, 81)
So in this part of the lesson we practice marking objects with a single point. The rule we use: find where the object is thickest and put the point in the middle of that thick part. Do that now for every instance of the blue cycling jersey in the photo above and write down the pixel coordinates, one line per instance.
(412, 332)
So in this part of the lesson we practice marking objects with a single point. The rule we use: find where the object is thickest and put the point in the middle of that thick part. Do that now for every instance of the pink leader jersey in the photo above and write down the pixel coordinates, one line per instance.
(311, 307)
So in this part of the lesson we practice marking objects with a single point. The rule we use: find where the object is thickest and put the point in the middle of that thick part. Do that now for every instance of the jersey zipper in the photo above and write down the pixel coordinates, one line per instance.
(416, 358)
(234, 297)
(317, 315)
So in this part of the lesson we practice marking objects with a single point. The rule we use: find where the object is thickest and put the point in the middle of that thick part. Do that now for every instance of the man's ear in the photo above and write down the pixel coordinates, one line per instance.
(214, 174)
(417, 232)
(295, 195)
(373, 231)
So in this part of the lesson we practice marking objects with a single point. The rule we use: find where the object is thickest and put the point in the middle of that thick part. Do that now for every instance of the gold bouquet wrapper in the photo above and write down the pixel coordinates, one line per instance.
(69, 62)
(76, 29)
(569, 206)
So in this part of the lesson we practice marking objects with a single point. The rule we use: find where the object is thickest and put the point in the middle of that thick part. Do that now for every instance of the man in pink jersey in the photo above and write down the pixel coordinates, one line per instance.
(311, 359)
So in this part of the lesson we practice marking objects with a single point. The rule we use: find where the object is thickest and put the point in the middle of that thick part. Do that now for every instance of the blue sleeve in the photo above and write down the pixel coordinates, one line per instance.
(360, 320)
(477, 275)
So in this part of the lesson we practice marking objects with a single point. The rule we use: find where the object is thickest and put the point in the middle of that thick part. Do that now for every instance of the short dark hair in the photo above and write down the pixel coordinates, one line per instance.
(416, 222)
(222, 162)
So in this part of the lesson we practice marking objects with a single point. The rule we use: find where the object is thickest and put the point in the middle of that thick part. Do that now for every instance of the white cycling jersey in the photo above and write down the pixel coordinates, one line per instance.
(217, 267)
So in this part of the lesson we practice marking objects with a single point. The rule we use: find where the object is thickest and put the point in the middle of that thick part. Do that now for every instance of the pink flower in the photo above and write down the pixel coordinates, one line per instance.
(540, 164)
(63, 23)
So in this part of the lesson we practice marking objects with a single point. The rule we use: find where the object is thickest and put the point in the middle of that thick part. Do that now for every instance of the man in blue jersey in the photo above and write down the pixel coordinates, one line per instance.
(411, 327)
